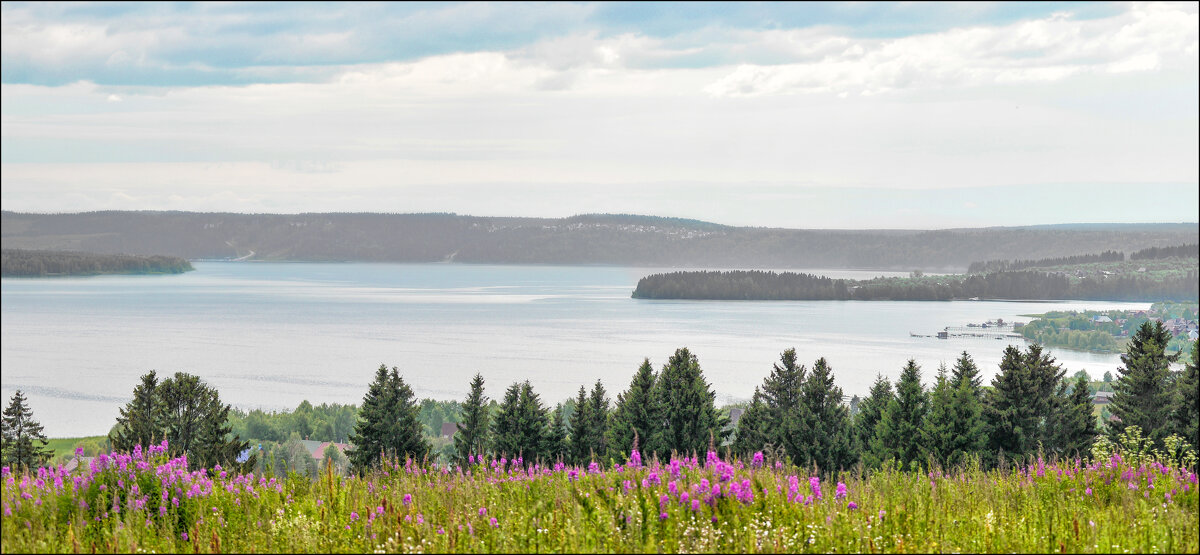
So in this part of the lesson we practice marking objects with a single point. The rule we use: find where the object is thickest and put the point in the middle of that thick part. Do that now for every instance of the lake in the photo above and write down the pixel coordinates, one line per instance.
(269, 335)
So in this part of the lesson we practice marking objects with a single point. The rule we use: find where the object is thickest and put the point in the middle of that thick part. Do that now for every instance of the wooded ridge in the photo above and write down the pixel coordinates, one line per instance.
(616, 239)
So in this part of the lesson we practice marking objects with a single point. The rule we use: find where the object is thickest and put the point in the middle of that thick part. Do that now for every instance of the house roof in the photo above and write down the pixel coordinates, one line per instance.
(449, 429)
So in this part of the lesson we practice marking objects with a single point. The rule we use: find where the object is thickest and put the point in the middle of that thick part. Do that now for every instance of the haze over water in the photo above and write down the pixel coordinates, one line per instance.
(269, 335)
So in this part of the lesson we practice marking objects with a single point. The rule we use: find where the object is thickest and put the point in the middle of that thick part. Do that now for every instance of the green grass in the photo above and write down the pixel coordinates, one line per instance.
(65, 446)
(1104, 507)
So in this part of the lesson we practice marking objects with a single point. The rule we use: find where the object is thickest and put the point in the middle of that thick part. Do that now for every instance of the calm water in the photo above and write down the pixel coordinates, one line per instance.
(272, 334)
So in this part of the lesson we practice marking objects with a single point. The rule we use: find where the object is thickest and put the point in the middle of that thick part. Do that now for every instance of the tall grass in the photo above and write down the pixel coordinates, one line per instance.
(148, 502)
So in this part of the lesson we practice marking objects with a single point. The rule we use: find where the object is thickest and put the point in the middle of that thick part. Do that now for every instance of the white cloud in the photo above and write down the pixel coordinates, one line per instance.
(1145, 38)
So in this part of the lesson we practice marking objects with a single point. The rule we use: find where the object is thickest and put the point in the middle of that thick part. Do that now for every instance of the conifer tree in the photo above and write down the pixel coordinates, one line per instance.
(506, 440)
(689, 417)
(389, 422)
(970, 430)
(870, 412)
(752, 430)
(1143, 394)
(1187, 404)
(782, 394)
(938, 431)
(634, 413)
(598, 412)
(533, 425)
(406, 438)
(370, 433)
(20, 436)
(581, 422)
(471, 438)
(1072, 427)
(141, 420)
(899, 428)
(965, 371)
(827, 421)
(556, 447)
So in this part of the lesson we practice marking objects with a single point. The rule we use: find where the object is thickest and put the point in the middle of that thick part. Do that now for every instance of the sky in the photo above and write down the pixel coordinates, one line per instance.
(799, 115)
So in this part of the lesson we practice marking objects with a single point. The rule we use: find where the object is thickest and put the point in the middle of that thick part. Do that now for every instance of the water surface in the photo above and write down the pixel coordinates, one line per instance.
(269, 335)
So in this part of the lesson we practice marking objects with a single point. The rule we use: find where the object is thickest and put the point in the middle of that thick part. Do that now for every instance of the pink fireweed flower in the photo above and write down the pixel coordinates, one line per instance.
(495, 523)
(635, 458)
(652, 478)
(841, 491)
(814, 483)
(683, 499)
(379, 510)
(695, 504)
(593, 468)
(662, 516)
(1087, 491)
(757, 460)
(353, 516)
(852, 505)
(572, 475)
(663, 500)
(407, 499)
(79, 451)
(482, 511)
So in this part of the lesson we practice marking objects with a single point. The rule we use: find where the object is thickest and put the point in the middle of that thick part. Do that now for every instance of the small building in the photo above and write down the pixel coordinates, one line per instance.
(1102, 398)
(449, 429)
(735, 414)
(943, 334)
(1102, 319)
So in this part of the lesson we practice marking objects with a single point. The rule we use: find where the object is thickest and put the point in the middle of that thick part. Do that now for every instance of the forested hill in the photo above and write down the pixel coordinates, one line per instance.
(588, 239)
(24, 263)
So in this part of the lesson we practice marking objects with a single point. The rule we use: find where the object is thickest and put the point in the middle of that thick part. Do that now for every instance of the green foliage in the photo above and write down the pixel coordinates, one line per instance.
(786, 411)
(142, 420)
(471, 438)
(1186, 415)
(1021, 405)
(521, 424)
(31, 263)
(871, 448)
(753, 428)
(689, 419)
(186, 412)
(634, 413)
(1071, 426)
(899, 427)
(388, 423)
(1143, 395)
(20, 435)
(828, 440)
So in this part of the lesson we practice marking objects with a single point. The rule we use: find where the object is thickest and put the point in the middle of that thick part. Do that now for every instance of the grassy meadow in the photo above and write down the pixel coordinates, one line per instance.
(149, 503)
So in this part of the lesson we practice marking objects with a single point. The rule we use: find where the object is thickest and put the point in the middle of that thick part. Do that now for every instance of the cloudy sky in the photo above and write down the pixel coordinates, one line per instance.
(791, 115)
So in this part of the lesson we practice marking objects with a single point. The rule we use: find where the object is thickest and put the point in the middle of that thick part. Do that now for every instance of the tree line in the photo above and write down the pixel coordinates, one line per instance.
(1181, 251)
(1001, 265)
(585, 239)
(1018, 285)
(33, 263)
(798, 413)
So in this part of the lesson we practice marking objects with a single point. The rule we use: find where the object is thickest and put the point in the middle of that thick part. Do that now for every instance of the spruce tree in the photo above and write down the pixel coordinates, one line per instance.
(371, 431)
(1143, 394)
(196, 422)
(870, 412)
(899, 428)
(966, 408)
(965, 371)
(141, 420)
(581, 423)
(1187, 404)
(506, 440)
(556, 447)
(785, 420)
(1072, 427)
(938, 431)
(533, 424)
(689, 415)
(752, 430)
(598, 412)
(471, 438)
(20, 436)
(634, 412)
(1049, 395)
(406, 438)
(1008, 408)
(827, 421)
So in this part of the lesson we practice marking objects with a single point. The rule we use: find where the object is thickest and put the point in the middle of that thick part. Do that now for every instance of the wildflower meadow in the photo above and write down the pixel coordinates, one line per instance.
(149, 502)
